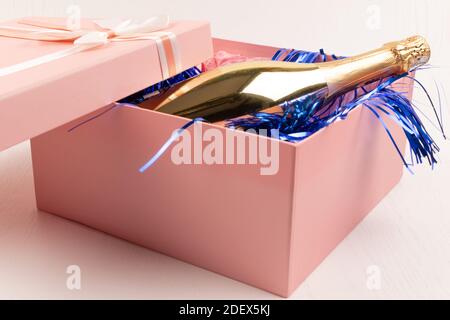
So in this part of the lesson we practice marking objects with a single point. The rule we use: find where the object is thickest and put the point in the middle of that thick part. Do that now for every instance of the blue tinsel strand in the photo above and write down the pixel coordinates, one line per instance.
(160, 87)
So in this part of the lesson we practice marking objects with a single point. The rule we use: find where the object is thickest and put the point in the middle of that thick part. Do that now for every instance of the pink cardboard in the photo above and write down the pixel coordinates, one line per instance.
(42, 98)
(268, 231)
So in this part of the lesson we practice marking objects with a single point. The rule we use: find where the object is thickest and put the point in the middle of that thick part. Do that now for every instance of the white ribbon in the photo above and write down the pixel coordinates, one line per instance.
(43, 59)
(132, 29)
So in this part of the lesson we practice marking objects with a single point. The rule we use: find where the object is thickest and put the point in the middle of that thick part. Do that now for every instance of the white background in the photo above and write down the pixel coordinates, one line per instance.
(404, 243)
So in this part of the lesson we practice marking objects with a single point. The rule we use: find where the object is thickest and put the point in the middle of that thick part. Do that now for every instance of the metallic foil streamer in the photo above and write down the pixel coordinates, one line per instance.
(303, 117)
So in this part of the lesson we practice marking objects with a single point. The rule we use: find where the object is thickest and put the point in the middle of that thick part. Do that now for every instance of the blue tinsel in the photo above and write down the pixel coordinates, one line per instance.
(305, 116)
(160, 87)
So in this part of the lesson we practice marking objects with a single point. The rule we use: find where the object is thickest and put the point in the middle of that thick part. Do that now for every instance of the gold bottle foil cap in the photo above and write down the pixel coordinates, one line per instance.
(411, 52)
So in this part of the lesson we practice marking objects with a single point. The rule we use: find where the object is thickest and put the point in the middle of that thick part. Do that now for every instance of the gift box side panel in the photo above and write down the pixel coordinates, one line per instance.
(226, 218)
(341, 174)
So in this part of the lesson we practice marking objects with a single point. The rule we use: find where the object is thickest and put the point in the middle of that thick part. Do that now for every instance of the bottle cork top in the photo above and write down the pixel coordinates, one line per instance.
(412, 52)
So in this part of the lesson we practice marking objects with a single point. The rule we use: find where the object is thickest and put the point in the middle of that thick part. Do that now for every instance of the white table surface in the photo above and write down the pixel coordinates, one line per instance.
(404, 244)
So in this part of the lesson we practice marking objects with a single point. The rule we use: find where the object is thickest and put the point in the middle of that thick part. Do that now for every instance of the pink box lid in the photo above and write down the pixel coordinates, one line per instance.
(41, 98)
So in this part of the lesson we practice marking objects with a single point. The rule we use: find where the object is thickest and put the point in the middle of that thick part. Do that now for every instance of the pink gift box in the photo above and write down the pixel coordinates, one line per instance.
(268, 231)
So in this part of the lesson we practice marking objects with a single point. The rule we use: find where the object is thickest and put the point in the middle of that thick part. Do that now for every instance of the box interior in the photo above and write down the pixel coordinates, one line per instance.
(250, 50)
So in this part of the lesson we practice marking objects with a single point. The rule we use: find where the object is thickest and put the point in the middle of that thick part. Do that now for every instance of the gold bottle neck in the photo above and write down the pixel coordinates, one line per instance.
(392, 59)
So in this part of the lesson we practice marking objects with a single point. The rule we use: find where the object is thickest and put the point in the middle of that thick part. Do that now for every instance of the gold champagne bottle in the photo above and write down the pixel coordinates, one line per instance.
(243, 88)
